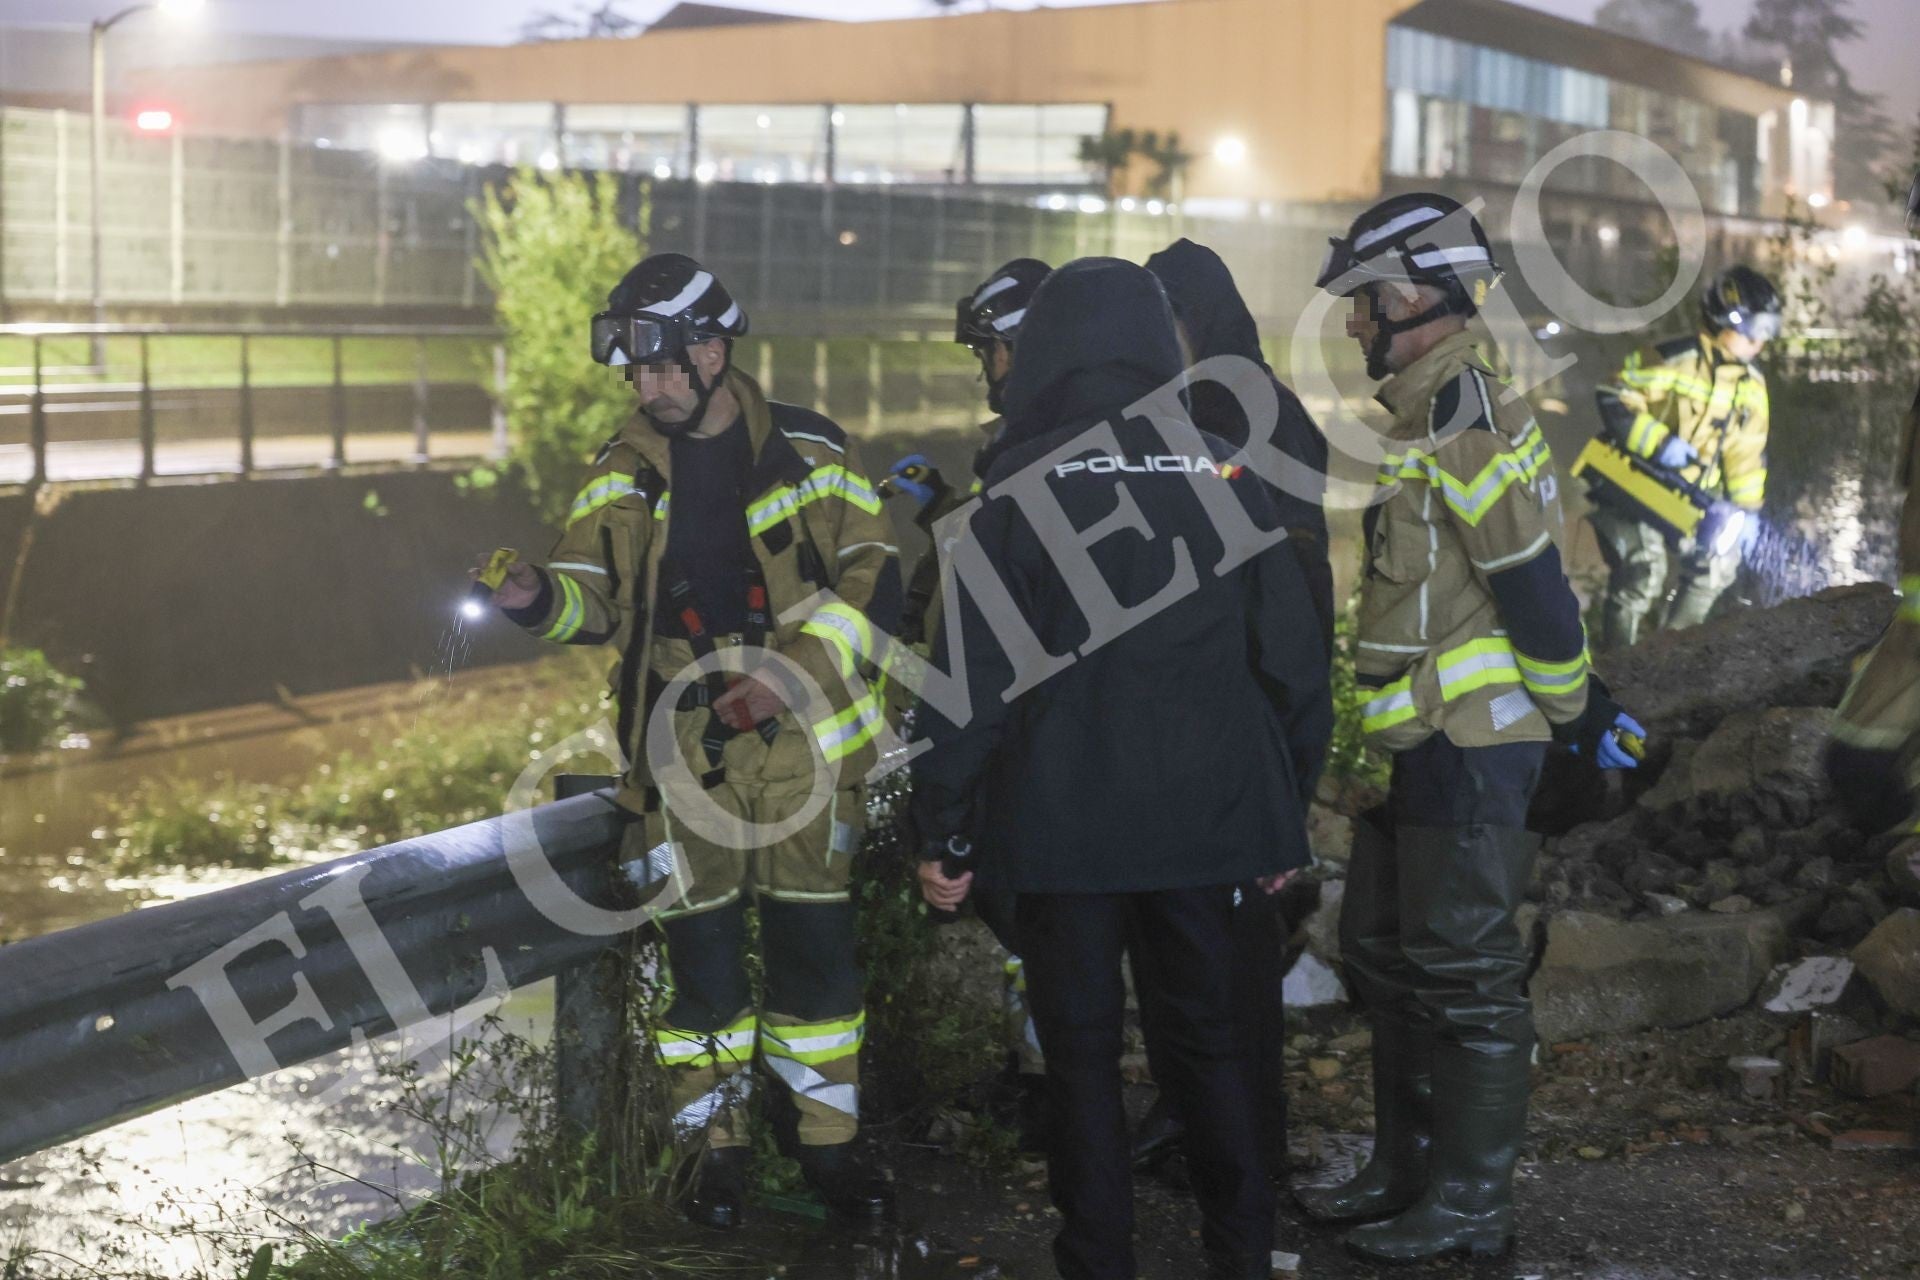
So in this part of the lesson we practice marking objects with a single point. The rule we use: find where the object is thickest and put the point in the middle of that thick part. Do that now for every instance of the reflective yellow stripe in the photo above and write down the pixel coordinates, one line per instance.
(573, 610)
(1648, 434)
(731, 1044)
(1472, 500)
(1910, 598)
(1392, 705)
(844, 734)
(845, 630)
(1475, 666)
(1752, 485)
(1551, 678)
(660, 507)
(813, 1043)
(830, 481)
(601, 492)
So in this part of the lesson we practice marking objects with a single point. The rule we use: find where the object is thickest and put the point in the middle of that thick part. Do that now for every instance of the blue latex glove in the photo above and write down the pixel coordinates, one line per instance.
(919, 492)
(1729, 529)
(1676, 453)
(1611, 754)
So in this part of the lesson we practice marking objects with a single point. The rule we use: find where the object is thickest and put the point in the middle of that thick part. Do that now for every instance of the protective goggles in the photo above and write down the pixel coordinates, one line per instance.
(969, 327)
(1761, 326)
(628, 339)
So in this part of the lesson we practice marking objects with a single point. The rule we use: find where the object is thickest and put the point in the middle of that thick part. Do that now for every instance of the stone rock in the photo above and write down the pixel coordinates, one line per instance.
(1732, 905)
(1814, 983)
(1749, 846)
(1603, 975)
(1353, 1042)
(1311, 984)
(1680, 684)
(1720, 881)
(1815, 874)
(1889, 959)
(1665, 904)
(1675, 785)
(1844, 921)
(1903, 869)
(1325, 1068)
(1323, 926)
(1764, 768)
(1329, 834)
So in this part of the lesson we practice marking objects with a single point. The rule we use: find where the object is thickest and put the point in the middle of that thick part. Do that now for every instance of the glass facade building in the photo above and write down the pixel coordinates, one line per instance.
(1461, 110)
(917, 144)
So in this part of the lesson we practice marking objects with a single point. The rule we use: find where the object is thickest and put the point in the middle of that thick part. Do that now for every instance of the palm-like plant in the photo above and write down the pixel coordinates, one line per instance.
(1108, 153)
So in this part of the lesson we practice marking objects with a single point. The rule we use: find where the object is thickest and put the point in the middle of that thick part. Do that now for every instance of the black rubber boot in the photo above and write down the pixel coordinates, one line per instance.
(846, 1184)
(1468, 1206)
(1160, 1134)
(1397, 1174)
(718, 1196)
(1232, 1266)
(1034, 1114)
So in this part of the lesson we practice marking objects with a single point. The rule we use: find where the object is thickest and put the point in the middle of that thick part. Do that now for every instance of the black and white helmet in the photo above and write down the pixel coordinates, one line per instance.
(1743, 300)
(1419, 239)
(995, 310)
(660, 308)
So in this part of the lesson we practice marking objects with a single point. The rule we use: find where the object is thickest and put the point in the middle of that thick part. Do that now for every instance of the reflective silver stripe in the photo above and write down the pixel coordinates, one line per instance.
(578, 568)
(728, 1094)
(1460, 672)
(1394, 648)
(1009, 321)
(733, 314)
(802, 435)
(1433, 557)
(1392, 702)
(1405, 222)
(1434, 257)
(1536, 680)
(814, 1087)
(887, 547)
(847, 732)
(993, 289)
(701, 282)
(1533, 549)
(815, 1044)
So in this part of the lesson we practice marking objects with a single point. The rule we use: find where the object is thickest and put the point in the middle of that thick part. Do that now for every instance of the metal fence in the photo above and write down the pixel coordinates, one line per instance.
(117, 1018)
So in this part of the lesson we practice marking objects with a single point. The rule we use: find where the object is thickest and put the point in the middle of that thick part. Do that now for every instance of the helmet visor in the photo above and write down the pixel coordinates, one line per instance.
(623, 339)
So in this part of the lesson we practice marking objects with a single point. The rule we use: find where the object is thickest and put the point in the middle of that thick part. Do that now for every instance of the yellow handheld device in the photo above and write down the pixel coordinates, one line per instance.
(1667, 501)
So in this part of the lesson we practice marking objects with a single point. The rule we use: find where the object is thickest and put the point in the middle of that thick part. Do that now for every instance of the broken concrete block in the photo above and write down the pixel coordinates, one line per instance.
(1600, 974)
(1810, 1043)
(1732, 904)
(1665, 904)
(1874, 1068)
(1813, 983)
(1756, 1079)
(1311, 983)
(1764, 767)
(1889, 959)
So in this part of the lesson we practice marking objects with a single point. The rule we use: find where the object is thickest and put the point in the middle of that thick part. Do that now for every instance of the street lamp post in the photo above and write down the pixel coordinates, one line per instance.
(97, 50)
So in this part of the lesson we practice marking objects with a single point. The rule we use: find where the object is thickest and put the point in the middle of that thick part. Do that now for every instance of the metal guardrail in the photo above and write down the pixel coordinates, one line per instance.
(38, 391)
(97, 1025)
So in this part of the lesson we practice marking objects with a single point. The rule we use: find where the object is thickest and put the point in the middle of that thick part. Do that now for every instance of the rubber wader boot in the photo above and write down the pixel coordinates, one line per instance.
(1397, 1174)
(718, 1196)
(1468, 1205)
(845, 1183)
(1161, 1133)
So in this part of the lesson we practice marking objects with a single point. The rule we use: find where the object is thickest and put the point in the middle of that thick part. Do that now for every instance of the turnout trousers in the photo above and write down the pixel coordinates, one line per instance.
(791, 852)
(1181, 942)
(1637, 558)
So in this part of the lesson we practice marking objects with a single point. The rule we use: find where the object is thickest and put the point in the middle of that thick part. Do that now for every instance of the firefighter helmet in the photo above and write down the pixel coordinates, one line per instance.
(1743, 300)
(994, 311)
(660, 308)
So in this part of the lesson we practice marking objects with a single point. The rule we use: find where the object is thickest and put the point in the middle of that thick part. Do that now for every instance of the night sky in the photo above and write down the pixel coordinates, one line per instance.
(1884, 62)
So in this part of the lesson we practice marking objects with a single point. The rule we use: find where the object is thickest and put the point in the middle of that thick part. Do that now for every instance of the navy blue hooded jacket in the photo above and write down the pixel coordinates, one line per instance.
(1176, 746)
(1209, 306)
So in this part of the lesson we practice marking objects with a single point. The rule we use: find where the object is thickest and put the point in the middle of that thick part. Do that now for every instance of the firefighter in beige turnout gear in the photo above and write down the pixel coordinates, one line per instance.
(1695, 406)
(1474, 659)
(718, 520)
(1874, 757)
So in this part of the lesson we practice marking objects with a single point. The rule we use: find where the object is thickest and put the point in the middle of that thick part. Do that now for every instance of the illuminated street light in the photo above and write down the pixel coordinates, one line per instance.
(1819, 200)
(1231, 151)
(1854, 237)
(97, 48)
(397, 144)
(153, 120)
(662, 171)
(706, 172)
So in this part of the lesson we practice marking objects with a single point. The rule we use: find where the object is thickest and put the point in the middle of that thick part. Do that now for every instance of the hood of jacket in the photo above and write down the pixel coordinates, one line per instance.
(1208, 302)
(1098, 337)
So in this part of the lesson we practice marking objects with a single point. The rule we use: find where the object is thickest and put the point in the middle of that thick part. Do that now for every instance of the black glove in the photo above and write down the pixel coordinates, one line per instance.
(1598, 735)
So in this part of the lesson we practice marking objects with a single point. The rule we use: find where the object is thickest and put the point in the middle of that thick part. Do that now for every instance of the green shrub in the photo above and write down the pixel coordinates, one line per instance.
(553, 246)
(38, 703)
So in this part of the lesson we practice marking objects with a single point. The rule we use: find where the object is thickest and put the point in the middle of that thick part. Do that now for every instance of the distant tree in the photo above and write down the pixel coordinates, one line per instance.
(1671, 24)
(552, 245)
(1806, 35)
(1108, 153)
(1170, 162)
(586, 21)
